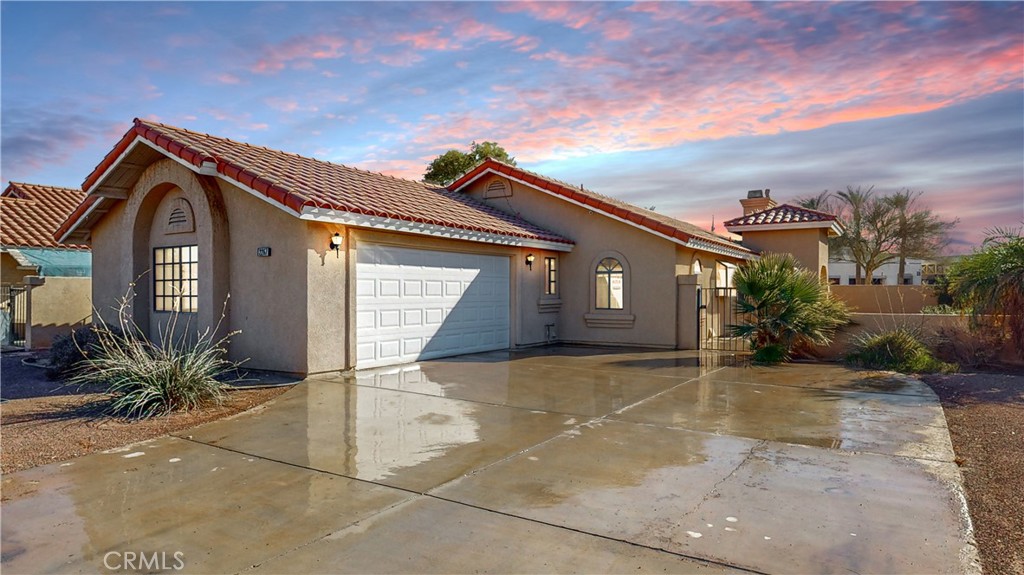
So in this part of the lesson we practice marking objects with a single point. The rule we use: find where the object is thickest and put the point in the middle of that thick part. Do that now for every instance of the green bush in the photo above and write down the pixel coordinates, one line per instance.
(941, 309)
(784, 309)
(180, 371)
(899, 349)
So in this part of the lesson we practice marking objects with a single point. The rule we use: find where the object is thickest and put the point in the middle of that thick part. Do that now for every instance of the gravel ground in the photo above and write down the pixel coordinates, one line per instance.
(43, 421)
(985, 413)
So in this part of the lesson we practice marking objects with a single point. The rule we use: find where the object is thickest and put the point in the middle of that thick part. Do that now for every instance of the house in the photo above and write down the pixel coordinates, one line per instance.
(330, 267)
(844, 272)
(769, 227)
(30, 259)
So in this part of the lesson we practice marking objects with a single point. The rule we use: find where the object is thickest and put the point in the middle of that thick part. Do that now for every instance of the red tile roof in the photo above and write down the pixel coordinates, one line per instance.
(649, 219)
(784, 214)
(32, 213)
(298, 182)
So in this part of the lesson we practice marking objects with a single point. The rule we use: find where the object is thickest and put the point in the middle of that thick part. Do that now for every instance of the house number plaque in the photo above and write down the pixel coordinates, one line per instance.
(263, 251)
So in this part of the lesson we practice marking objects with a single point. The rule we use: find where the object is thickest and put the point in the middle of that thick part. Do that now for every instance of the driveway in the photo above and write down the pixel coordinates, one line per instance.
(559, 459)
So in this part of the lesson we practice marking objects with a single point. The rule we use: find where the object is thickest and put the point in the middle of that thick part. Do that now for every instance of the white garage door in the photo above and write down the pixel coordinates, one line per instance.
(419, 304)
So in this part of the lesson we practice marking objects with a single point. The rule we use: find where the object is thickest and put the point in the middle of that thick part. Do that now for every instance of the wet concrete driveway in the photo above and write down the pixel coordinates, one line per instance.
(559, 459)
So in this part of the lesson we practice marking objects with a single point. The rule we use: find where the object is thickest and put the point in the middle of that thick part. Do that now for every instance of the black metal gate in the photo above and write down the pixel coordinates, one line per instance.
(13, 312)
(718, 312)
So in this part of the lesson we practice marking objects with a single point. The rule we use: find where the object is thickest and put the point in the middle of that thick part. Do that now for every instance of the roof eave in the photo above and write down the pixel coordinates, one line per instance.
(671, 234)
(353, 219)
(833, 227)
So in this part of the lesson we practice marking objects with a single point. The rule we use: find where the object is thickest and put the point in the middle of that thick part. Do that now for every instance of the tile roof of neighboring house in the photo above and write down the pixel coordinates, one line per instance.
(31, 213)
(662, 224)
(300, 183)
(783, 214)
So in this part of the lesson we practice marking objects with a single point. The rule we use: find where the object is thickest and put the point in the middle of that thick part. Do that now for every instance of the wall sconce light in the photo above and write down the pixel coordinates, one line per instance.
(529, 261)
(336, 244)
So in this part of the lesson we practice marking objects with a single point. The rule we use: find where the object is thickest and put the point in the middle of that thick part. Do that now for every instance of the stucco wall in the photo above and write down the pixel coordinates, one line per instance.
(651, 297)
(927, 325)
(9, 272)
(809, 247)
(289, 306)
(886, 299)
(56, 307)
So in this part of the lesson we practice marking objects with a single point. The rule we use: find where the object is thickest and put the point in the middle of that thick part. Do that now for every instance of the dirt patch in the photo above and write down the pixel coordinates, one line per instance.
(44, 421)
(985, 413)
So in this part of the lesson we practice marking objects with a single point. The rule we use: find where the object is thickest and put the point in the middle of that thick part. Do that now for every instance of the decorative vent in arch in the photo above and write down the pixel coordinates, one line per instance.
(181, 220)
(498, 188)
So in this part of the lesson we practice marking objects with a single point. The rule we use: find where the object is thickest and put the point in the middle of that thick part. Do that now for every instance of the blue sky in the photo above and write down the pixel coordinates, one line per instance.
(677, 105)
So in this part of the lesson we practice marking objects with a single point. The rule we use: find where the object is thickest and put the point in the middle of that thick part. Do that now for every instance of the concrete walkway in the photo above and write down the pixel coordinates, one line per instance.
(560, 459)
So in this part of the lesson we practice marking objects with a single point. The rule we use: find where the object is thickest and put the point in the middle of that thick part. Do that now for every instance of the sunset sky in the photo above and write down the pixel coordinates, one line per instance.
(679, 106)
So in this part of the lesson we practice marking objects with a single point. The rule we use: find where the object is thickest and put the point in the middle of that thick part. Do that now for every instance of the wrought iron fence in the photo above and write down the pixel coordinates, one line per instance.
(718, 312)
(12, 315)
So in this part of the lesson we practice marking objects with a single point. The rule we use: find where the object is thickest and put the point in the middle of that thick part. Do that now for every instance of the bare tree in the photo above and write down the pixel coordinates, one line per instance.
(879, 229)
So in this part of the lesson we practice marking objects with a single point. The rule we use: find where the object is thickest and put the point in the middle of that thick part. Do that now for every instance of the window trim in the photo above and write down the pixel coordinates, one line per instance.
(610, 317)
(165, 301)
(551, 276)
(609, 272)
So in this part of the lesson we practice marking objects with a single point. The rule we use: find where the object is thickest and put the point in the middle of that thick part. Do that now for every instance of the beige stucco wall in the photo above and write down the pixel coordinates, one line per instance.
(9, 272)
(809, 247)
(927, 325)
(652, 262)
(886, 298)
(57, 307)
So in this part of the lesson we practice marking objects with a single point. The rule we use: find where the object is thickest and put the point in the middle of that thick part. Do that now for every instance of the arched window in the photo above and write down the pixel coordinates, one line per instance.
(609, 284)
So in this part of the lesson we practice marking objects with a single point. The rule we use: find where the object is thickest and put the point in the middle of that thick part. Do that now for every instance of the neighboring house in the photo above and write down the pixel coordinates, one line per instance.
(30, 258)
(769, 227)
(843, 272)
(330, 267)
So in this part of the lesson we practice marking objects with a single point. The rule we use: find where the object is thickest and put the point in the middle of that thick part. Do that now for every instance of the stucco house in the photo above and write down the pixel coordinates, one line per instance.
(330, 267)
(44, 284)
(769, 227)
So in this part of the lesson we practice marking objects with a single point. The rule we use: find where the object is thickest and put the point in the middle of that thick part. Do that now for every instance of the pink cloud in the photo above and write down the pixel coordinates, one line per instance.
(573, 15)
(226, 78)
(299, 49)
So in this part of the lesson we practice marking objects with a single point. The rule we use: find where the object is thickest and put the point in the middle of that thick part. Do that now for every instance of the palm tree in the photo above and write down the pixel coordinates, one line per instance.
(990, 282)
(919, 232)
(786, 308)
(853, 205)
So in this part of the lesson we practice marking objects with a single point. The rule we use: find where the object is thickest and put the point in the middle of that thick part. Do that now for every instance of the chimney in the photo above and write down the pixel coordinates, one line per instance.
(757, 201)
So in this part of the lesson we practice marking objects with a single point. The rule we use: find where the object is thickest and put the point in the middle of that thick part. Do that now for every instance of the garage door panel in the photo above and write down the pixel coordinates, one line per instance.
(420, 304)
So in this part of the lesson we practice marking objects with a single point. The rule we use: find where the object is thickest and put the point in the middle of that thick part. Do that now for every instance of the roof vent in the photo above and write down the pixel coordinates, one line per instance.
(498, 188)
(180, 220)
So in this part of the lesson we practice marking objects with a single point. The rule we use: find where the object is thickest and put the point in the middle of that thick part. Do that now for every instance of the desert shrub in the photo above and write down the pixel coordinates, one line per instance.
(784, 308)
(68, 351)
(899, 349)
(179, 371)
(976, 347)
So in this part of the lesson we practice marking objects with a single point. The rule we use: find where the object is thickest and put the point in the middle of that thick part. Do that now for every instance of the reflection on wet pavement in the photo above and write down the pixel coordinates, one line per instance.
(546, 460)
(405, 440)
(807, 416)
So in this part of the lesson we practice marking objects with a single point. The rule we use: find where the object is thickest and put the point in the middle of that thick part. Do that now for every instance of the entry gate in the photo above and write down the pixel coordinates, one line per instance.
(717, 307)
(12, 315)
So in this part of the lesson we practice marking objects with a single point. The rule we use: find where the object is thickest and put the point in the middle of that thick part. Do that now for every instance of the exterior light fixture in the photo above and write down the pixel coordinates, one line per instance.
(529, 261)
(336, 243)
